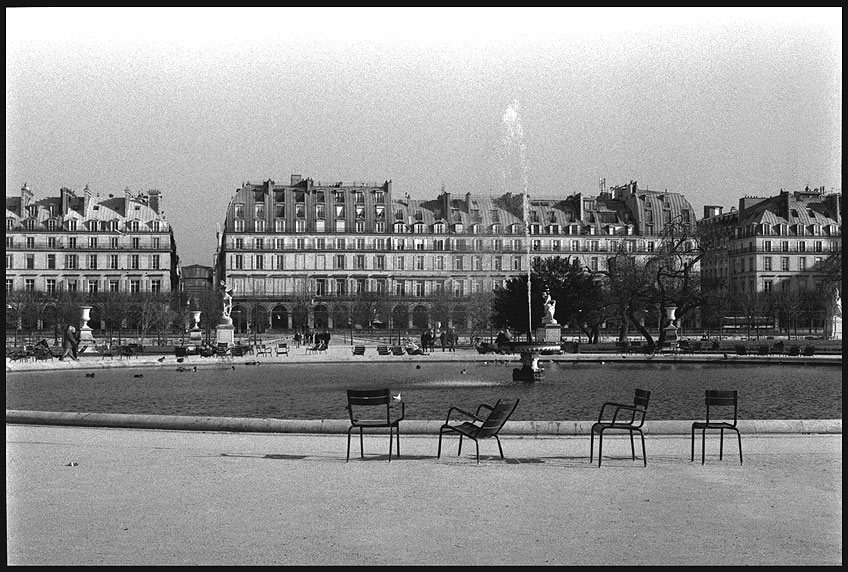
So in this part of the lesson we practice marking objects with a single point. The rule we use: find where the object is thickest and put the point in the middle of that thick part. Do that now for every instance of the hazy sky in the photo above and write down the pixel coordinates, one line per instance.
(713, 103)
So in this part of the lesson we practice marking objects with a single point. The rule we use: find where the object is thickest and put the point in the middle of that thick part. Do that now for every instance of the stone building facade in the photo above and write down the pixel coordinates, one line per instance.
(320, 256)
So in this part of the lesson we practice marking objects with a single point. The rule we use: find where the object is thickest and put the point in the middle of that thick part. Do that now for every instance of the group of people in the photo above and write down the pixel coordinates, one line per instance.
(447, 339)
(309, 337)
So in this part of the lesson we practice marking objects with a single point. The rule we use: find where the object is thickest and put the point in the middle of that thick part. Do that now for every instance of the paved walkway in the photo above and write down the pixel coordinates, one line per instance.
(109, 496)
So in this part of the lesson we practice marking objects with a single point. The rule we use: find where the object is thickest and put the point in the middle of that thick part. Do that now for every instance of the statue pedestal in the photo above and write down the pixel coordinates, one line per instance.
(225, 333)
(549, 333)
(834, 328)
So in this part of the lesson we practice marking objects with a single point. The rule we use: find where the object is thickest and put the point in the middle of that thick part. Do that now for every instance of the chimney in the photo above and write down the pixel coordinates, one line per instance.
(153, 199)
(711, 211)
(295, 180)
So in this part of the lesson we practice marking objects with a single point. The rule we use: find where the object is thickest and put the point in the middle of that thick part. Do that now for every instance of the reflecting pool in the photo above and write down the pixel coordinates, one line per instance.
(314, 391)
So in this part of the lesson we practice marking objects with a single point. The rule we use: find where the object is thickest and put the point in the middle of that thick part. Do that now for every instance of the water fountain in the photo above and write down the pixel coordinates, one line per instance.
(547, 337)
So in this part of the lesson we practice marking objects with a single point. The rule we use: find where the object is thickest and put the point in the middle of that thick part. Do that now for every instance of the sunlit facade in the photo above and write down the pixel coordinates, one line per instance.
(88, 244)
(772, 243)
(307, 254)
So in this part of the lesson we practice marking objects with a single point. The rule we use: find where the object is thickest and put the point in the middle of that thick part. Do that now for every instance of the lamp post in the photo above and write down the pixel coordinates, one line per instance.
(350, 330)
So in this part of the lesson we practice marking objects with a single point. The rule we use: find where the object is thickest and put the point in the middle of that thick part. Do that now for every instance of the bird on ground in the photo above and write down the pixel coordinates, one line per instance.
(89, 375)
(161, 359)
(725, 356)
(396, 397)
(463, 371)
(138, 375)
(418, 366)
(179, 359)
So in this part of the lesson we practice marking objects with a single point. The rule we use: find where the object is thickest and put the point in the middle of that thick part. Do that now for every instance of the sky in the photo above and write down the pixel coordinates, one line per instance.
(713, 103)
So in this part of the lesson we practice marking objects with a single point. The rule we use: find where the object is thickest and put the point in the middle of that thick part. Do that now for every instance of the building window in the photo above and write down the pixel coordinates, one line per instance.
(802, 263)
(259, 262)
(71, 285)
(419, 288)
(9, 262)
(154, 262)
(50, 286)
(29, 285)
(92, 261)
(72, 242)
(593, 263)
(498, 263)
(71, 261)
(478, 263)
(516, 263)
(380, 262)
(136, 243)
(238, 262)
(238, 210)
(457, 263)
(92, 286)
(113, 286)
(419, 263)
(399, 263)
(51, 242)
(767, 286)
(440, 263)
(113, 262)
(340, 261)
(30, 261)
(784, 263)
(359, 262)
(767, 263)
(92, 242)
(134, 262)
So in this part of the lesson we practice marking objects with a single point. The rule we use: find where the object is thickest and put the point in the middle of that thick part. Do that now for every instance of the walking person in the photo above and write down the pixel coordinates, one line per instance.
(451, 339)
(70, 343)
(442, 339)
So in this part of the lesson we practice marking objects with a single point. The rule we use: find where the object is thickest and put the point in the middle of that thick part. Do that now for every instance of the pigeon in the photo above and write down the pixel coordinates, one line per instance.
(89, 375)
(72, 464)
(179, 359)
(138, 375)
(161, 359)
(396, 397)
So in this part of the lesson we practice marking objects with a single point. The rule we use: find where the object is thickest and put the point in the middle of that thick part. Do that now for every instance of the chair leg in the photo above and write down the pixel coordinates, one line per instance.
(477, 444)
(397, 437)
(348, 445)
(390, 443)
(721, 444)
(361, 444)
(591, 443)
(644, 456)
(703, 444)
(739, 436)
(632, 448)
(439, 452)
(600, 444)
(692, 457)
(499, 446)
(459, 450)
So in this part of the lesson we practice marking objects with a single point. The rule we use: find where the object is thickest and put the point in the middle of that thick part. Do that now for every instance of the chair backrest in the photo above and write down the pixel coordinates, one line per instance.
(360, 398)
(724, 399)
(497, 418)
(641, 398)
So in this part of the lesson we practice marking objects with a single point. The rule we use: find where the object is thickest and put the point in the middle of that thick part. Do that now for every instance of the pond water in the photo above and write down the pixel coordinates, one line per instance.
(569, 391)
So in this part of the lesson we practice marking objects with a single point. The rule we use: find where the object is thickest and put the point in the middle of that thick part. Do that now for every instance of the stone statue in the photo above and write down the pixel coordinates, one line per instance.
(227, 293)
(550, 308)
(837, 304)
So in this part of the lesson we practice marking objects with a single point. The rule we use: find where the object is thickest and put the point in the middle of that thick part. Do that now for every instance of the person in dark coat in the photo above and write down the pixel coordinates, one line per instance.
(70, 343)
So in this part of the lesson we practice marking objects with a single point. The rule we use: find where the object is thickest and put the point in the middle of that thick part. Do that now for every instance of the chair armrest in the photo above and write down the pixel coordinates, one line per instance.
(402, 410)
(609, 404)
(466, 413)
(633, 412)
(481, 406)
